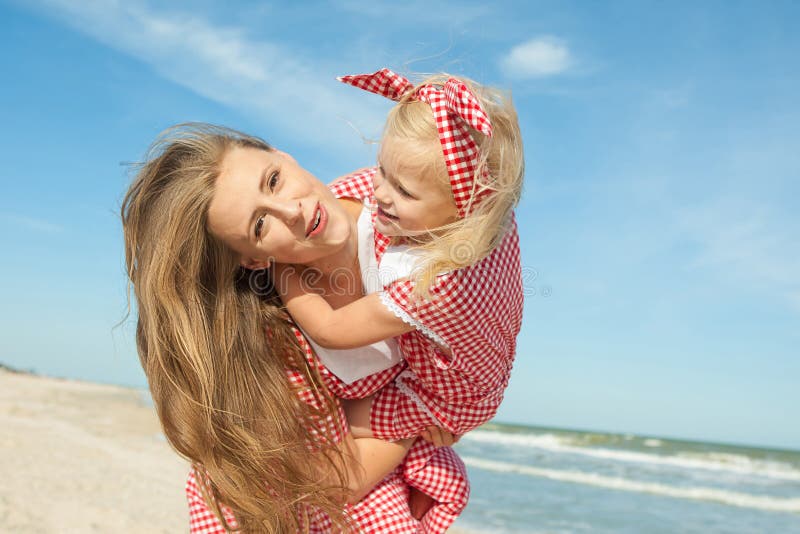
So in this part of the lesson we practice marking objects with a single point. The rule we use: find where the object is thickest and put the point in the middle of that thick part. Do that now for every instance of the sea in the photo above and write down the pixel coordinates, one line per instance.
(545, 480)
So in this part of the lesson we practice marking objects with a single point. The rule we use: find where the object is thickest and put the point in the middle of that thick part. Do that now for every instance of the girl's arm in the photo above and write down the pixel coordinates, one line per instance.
(357, 324)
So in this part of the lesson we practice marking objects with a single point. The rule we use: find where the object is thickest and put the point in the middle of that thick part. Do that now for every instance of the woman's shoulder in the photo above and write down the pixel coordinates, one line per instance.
(356, 185)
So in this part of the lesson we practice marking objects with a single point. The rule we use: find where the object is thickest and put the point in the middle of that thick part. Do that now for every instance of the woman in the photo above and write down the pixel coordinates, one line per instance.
(208, 208)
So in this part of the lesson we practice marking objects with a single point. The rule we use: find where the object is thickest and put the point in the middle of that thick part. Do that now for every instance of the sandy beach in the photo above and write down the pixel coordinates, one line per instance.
(83, 457)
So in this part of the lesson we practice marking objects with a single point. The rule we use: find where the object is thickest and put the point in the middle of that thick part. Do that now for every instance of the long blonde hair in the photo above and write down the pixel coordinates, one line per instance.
(473, 237)
(215, 348)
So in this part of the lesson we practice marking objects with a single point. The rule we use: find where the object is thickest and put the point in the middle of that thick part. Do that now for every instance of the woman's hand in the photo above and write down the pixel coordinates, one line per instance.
(439, 437)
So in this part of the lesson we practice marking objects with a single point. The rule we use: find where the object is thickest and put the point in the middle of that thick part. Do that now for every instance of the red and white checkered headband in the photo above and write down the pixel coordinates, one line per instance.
(454, 108)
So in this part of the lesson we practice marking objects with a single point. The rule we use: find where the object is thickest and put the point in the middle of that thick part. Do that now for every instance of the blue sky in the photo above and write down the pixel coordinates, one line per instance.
(659, 224)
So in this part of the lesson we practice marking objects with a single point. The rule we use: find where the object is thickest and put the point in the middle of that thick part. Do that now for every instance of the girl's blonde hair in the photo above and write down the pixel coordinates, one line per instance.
(215, 347)
(473, 237)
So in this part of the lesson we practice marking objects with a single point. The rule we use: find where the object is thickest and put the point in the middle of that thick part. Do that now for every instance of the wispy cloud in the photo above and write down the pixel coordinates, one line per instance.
(747, 243)
(31, 223)
(537, 58)
(445, 15)
(265, 79)
(794, 299)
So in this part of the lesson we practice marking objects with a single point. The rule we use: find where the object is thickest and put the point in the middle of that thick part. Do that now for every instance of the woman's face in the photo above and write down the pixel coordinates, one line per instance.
(266, 207)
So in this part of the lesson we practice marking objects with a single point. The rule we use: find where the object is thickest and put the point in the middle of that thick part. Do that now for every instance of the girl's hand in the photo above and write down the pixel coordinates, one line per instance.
(439, 437)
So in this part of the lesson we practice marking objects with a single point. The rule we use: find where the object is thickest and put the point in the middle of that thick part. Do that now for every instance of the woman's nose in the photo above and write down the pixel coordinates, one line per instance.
(290, 212)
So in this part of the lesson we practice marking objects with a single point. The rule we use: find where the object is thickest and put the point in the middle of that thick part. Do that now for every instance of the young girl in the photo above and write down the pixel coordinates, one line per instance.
(449, 174)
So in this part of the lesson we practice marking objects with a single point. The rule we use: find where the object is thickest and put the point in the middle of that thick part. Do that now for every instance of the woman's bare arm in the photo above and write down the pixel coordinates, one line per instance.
(367, 461)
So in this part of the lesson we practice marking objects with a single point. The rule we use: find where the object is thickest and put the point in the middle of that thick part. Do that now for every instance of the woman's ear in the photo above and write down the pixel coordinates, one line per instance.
(255, 265)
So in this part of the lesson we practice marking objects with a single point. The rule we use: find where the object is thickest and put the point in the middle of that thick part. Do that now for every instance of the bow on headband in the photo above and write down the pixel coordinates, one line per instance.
(454, 108)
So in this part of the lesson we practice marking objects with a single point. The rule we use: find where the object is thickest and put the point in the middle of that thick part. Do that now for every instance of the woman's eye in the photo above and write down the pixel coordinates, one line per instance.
(259, 226)
(273, 181)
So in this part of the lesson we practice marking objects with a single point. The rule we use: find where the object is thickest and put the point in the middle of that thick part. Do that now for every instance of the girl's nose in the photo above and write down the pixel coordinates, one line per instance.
(381, 193)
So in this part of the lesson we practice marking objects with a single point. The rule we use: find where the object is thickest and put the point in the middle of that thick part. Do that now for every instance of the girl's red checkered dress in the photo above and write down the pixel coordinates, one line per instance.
(459, 357)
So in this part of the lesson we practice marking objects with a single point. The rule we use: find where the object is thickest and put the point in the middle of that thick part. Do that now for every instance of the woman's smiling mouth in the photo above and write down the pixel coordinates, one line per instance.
(317, 224)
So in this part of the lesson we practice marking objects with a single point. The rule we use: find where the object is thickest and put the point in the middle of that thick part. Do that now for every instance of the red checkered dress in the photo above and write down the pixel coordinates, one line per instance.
(439, 473)
(476, 313)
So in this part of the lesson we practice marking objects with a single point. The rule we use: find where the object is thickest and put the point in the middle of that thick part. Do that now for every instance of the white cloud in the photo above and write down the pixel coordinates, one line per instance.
(751, 243)
(537, 58)
(794, 299)
(439, 14)
(259, 78)
(32, 223)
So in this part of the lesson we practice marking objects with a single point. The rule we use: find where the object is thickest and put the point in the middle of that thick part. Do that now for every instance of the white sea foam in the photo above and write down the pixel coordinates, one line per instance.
(731, 498)
(732, 463)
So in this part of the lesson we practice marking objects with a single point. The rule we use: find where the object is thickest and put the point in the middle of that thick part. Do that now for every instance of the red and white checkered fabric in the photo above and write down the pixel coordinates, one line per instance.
(384, 82)
(441, 474)
(201, 519)
(477, 313)
(455, 108)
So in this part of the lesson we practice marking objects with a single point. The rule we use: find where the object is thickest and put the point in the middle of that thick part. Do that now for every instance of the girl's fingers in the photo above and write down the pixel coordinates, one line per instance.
(439, 437)
(436, 435)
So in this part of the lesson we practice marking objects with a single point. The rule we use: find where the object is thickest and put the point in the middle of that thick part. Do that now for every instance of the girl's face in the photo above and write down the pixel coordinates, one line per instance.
(266, 207)
(409, 203)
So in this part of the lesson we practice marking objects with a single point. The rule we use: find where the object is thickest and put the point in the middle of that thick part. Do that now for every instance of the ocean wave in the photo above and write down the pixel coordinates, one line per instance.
(713, 461)
(731, 498)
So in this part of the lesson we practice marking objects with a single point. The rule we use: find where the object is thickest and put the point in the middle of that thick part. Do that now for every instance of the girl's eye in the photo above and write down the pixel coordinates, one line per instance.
(259, 226)
(273, 181)
(405, 193)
